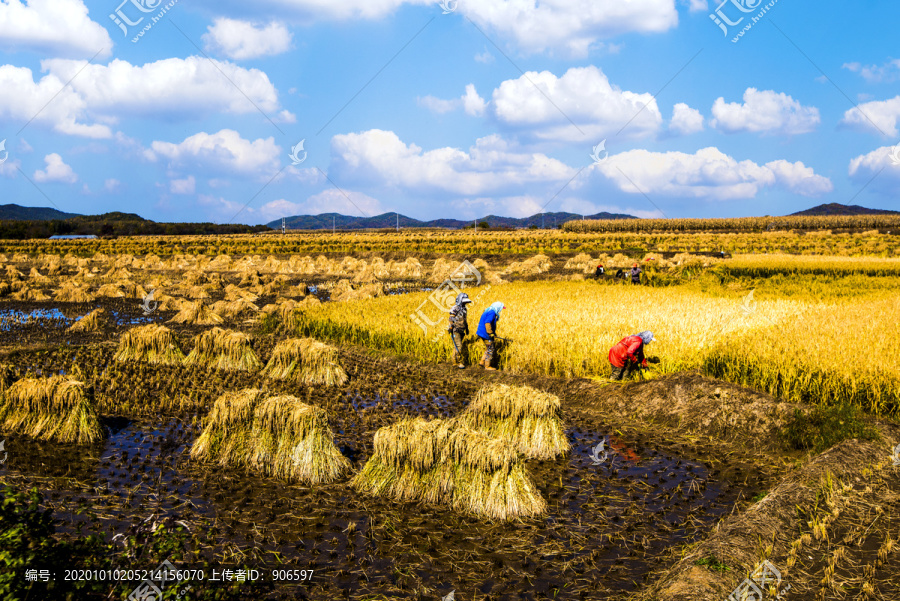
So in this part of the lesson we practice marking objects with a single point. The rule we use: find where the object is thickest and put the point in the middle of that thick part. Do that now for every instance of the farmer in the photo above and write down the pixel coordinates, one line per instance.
(635, 274)
(459, 327)
(620, 275)
(628, 355)
(600, 271)
(487, 331)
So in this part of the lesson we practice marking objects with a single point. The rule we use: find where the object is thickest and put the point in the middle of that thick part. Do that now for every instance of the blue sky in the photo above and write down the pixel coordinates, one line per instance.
(456, 110)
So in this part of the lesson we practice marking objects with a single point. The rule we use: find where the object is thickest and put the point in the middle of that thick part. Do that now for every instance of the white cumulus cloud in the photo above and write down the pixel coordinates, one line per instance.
(222, 152)
(101, 95)
(55, 171)
(685, 120)
(242, 40)
(55, 27)
(708, 173)
(877, 117)
(764, 111)
(379, 157)
(544, 106)
(879, 168)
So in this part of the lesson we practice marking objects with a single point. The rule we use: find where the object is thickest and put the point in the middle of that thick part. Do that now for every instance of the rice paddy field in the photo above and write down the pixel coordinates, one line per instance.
(283, 410)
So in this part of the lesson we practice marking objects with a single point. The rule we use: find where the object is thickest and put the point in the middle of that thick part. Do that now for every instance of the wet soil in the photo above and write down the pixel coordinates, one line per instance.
(607, 526)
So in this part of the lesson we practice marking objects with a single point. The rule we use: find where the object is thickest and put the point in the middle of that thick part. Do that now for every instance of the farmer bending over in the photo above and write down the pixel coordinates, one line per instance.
(628, 355)
(600, 271)
(487, 331)
(459, 327)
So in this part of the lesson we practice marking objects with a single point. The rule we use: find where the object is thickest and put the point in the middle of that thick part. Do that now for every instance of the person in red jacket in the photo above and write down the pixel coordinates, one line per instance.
(628, 355)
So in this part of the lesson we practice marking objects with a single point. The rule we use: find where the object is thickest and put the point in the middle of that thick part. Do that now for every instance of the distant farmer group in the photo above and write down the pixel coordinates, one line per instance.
(626, 358)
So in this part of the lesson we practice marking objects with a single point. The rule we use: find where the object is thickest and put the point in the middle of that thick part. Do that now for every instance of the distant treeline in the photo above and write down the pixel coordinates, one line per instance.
(737, 224)
(113, 224)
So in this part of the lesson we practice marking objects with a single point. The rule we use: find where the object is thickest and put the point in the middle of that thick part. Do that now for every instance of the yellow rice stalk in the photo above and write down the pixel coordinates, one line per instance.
(233, 293)
(443, 461)
(72, 293)
(279, 436)
(133, 290)
(89, 323)
(56, 408)
(306, 361)
(224, 349)
(528, 418)
(29, 294)
(152, 343)
(12, 273)
(37, 278)
(111, 291)
(196, 313)
(196, 292)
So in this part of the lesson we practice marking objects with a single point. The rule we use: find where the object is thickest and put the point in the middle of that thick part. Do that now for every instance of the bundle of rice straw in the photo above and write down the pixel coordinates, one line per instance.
(224, 349)
(279, 436)
(235, 308)
(56, 408)
(111, 291)
(70, 292)
(307, 361)
(196, 292)
(152, 343)
(12, 273)
(582, 262)
(133, 290)
(233, 293)
(37, 278)
(533, 266)
(196, 313)
(90, 322)
(528, 418)
(443, 461)
(29, 294)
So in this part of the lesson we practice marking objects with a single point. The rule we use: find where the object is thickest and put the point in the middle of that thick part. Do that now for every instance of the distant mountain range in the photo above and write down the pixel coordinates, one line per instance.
(390, 220)
(20, 213)
(834, 208)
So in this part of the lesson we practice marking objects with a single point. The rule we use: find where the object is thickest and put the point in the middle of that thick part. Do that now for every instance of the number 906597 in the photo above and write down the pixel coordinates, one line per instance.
(292, 575)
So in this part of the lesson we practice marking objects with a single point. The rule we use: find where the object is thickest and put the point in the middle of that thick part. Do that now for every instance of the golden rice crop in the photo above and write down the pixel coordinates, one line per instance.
(196, 313)
(530, 419)
(443, 461)
(152, 343)
(72, 293)
(91, 322)
(279, 436)
(224, 349)
(306, 361)
(56, 408)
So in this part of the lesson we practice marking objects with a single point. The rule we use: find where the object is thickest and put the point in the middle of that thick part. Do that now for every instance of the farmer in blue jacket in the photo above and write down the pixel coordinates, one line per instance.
(487, 331)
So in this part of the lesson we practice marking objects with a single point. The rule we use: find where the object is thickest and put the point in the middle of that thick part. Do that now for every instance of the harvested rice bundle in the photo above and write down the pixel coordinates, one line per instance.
(196, 313)
(37, 278)
(528, 418)
(111, 291)
(224, 349)
(307, 361)
(233, 293)
(152, 343)
(56, 408)
(533, 266)
(29, 294)
(133, 290)
(12, 273)
(298, 290)
(4, 288)
(91, 322)
(443, 461)
(196, 292)
(72, 293)
(279, 436)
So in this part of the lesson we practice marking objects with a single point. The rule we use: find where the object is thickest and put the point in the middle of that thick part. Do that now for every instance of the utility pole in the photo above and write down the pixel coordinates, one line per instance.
(332, 225)
(282, 226)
